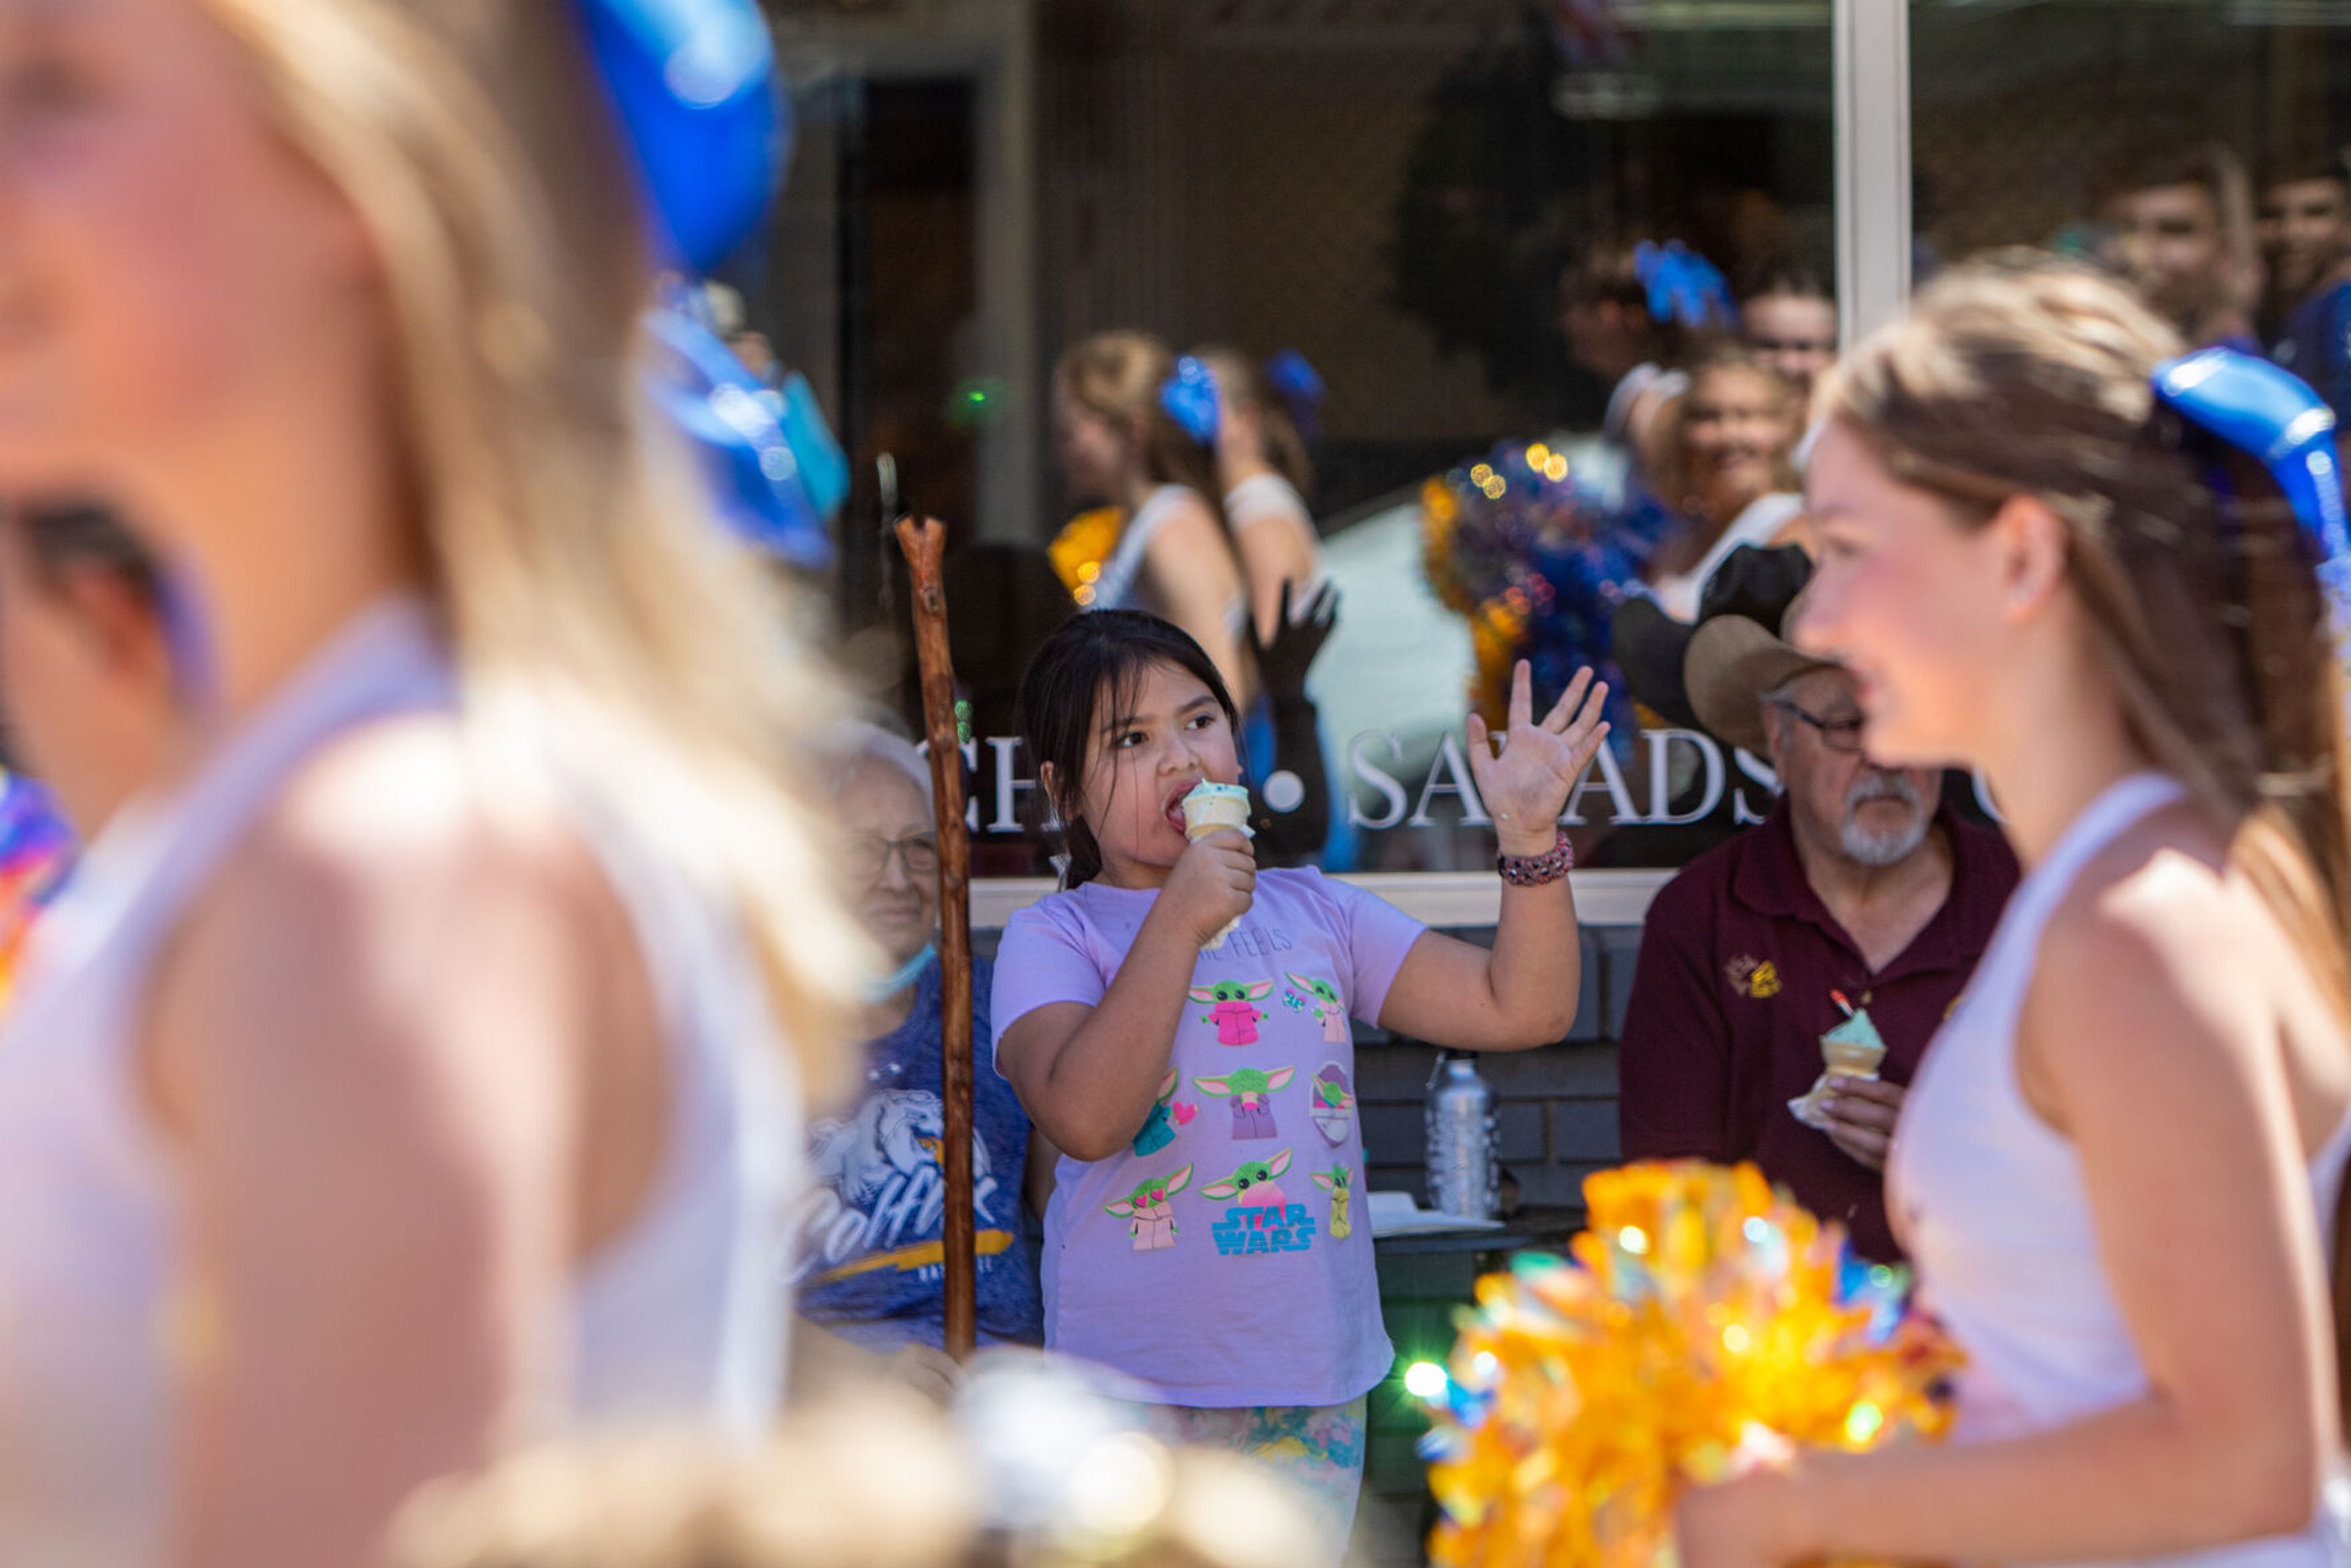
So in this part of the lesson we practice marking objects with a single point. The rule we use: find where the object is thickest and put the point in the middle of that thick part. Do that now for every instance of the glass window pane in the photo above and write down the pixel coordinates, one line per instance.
(2194, 146)
(1438, 205)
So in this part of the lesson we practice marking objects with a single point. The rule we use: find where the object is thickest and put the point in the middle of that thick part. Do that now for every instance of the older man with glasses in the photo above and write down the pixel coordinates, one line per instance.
(1778, 969)
(871, 1291)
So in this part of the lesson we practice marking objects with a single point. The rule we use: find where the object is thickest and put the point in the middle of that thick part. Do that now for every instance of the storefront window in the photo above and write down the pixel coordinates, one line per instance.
(2196, 146)
(1435, 204)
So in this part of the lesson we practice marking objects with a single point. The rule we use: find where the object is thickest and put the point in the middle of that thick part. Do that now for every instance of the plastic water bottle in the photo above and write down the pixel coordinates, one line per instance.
(1462, 1174)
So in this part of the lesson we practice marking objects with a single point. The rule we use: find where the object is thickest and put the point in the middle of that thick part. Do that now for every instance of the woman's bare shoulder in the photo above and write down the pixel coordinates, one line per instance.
(386, 873)
(2160, 952)
(411, 802)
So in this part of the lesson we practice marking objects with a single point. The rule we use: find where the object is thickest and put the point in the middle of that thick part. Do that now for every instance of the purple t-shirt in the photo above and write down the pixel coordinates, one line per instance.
(1224, 1259)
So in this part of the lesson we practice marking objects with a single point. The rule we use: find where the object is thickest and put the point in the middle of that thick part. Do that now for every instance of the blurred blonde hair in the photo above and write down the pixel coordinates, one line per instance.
(591, 597)
(1118, 376)
(873, 1485)
(874, 1479)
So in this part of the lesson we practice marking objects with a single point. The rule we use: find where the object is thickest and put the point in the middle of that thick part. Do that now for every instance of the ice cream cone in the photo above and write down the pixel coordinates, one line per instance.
(1208, 809)
(1852, 1050)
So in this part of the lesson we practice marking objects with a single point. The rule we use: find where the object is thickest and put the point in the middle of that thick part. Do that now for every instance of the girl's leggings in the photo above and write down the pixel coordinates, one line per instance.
(1319, 1448)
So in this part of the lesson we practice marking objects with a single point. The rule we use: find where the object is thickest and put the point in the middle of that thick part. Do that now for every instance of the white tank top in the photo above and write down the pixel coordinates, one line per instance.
(681, 1319)
(1989, 1202)
(1120, 585)
(1758, 523)
(1270, 501)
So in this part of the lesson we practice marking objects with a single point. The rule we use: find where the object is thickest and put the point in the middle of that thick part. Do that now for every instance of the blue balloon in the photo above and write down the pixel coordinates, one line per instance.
(694, 84)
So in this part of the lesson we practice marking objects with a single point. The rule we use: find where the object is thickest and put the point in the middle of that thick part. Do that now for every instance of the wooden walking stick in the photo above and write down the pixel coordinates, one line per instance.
(925, 544)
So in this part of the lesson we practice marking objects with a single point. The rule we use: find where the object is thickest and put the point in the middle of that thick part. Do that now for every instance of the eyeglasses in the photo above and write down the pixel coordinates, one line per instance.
(1839, 735)
(868, 856)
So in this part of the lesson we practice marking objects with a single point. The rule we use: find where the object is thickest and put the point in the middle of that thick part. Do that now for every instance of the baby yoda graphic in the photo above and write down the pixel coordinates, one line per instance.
(1157, 1131)
(1232, 1007)
(1252, 1097)
(1333, 1103)
(1322, 998)
(1339, 1181)
(1251, 1184)
(1150, 1215)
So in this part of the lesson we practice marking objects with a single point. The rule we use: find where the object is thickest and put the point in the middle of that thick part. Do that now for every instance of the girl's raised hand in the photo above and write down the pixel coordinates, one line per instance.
(1527, 785)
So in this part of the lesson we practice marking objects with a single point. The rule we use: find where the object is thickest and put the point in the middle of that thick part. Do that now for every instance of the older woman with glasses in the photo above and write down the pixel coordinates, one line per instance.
(870, 1283)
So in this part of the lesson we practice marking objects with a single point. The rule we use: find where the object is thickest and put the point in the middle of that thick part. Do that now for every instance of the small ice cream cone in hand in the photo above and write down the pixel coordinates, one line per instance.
(1209, 809)
(1852, 1050)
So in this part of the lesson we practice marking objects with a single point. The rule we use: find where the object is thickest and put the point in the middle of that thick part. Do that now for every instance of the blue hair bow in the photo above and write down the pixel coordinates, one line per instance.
(694, 85)
(1301, 390)
(762, 487)
(2270, 414)
(2273, 416)
(1683, 287)
(1189, 396)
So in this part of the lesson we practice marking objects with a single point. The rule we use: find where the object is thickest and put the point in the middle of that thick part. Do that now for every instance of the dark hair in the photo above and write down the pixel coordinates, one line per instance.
(2299, 168)
(1784, 277)
(1091, 665)
(61, 537)
(2157, 165)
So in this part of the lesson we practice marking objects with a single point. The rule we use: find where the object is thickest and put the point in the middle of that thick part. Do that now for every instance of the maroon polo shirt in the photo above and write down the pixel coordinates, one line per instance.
(1732, 996)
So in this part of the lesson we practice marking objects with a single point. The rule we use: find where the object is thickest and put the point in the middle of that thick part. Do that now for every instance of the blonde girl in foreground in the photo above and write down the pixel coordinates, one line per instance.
(2119, 1171)
(416, 1066)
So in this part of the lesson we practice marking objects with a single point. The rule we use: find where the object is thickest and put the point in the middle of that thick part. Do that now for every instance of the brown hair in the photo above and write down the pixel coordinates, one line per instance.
(1784, 277)
(1119, 375)
(1242, 385)
(2296, 168)
(2025, 375)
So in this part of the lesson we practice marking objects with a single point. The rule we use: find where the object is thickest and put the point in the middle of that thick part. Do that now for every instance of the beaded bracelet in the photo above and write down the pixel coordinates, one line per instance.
(1533, 871)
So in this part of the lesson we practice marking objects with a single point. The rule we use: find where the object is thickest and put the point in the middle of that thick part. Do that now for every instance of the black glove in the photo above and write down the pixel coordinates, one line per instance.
(1282, 660)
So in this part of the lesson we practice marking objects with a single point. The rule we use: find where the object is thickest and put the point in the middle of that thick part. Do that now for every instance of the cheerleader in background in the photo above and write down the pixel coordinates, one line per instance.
(1264, 471)
(1265, 418)
(1135, 430)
